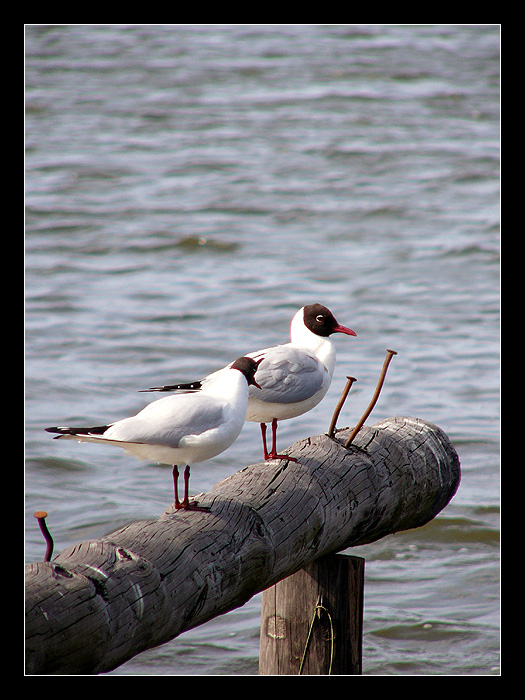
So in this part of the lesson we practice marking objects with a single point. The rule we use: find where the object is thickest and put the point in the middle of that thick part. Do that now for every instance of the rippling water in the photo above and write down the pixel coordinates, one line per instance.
(187, 189)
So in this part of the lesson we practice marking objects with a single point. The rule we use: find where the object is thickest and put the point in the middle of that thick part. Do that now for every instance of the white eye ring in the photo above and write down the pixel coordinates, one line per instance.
(319, 318)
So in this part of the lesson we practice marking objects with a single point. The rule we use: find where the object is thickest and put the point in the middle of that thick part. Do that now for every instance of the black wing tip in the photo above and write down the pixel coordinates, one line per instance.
(56, 429)
(97, 430)
(61, 432)
(188, 387)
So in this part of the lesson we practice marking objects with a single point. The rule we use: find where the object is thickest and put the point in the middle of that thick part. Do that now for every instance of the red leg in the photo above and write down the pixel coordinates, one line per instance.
(265, 448)
(186, 501)
(274, 437)
(273, 454)
(176, 486)
(185, 505)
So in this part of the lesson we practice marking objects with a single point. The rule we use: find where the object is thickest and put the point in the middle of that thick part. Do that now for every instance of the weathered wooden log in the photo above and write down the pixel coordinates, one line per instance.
(100, 602)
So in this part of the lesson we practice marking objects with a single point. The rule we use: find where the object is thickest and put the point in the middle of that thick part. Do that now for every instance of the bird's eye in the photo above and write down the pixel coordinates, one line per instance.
(319, 318)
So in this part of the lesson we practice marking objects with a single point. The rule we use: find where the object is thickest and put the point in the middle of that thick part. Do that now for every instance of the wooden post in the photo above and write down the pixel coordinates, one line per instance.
(312, 621)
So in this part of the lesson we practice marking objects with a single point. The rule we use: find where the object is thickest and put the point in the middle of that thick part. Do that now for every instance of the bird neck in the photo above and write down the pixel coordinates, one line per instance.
(325, 352)
(228, 384)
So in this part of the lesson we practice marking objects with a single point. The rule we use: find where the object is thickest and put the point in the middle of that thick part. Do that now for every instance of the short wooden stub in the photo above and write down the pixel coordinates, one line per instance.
(312, 621)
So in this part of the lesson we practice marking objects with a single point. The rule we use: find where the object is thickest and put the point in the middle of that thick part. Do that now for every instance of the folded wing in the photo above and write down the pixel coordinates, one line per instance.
(288, 375)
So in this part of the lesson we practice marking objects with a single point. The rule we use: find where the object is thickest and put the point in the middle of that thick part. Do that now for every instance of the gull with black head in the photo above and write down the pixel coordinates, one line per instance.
(197, 423)
(295, 377)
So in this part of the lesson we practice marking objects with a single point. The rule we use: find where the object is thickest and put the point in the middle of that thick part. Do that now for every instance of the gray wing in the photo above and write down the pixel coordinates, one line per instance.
(167, 420)
(287, 375)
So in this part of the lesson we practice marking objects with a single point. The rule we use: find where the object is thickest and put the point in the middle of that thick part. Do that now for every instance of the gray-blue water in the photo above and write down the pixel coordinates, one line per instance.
(187, 189)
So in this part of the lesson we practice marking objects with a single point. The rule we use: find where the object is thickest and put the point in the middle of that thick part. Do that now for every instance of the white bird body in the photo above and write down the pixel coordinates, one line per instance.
(294, 380)
(191, 426)
(182, 428)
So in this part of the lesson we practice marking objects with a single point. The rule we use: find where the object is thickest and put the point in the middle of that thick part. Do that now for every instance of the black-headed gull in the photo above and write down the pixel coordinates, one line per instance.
(296, 376)
(199, 422)
(293, 377)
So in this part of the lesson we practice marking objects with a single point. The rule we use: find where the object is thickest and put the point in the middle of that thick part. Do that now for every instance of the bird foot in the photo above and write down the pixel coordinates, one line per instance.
(190, 505)
(276, 456)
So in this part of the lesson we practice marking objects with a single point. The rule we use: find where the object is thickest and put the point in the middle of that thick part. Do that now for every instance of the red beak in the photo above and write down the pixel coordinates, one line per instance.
(345, 330)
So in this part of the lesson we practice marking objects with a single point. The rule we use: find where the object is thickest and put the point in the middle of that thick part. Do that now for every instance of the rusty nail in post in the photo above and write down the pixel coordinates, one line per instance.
(41, 516)
(389, 355)
(337, 411)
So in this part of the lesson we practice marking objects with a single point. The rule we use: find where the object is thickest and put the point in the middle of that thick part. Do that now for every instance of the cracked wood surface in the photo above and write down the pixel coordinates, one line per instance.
(100, 602)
